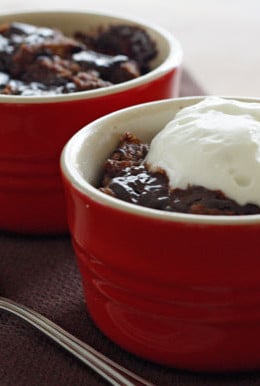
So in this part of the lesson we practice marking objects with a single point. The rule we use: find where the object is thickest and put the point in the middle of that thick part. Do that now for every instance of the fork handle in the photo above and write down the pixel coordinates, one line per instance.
(115, 374)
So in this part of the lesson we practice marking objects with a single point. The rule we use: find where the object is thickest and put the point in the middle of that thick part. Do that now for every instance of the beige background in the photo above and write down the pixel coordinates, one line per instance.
(220, 38)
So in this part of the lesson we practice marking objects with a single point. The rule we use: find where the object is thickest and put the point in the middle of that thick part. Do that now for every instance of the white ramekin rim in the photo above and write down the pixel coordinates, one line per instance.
(82, 185)
(173, 60)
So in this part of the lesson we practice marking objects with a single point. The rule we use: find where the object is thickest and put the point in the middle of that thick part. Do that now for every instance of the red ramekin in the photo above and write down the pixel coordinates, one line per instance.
(34, 130)
(178, 289)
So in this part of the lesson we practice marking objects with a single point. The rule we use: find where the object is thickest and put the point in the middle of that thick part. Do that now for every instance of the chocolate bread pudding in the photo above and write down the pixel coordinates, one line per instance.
(38, 60)
(128, 177)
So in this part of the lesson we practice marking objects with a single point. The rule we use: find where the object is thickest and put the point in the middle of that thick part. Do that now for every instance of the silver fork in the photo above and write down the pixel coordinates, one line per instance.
(115, 374)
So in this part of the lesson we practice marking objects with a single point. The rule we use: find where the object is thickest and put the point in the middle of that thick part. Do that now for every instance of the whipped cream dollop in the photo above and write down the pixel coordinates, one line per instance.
(215, 144)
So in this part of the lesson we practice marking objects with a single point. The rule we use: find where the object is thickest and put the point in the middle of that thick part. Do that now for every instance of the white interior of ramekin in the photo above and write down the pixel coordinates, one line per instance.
(169, 49)
(84, 155)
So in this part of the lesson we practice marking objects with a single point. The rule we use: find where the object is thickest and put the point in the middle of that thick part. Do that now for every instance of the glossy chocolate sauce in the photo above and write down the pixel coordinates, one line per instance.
(127, 177)
(38, 60)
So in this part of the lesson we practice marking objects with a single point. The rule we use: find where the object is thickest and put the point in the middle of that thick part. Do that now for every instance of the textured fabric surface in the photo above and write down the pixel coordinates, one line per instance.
(41, 272)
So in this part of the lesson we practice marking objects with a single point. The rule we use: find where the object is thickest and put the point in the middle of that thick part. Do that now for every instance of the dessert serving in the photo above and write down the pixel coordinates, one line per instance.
(205, 161)
(39, 60)
(60, 70)
(179, 286)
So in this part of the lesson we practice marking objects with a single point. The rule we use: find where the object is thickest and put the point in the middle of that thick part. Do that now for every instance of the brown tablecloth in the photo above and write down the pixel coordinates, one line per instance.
(41, 272)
